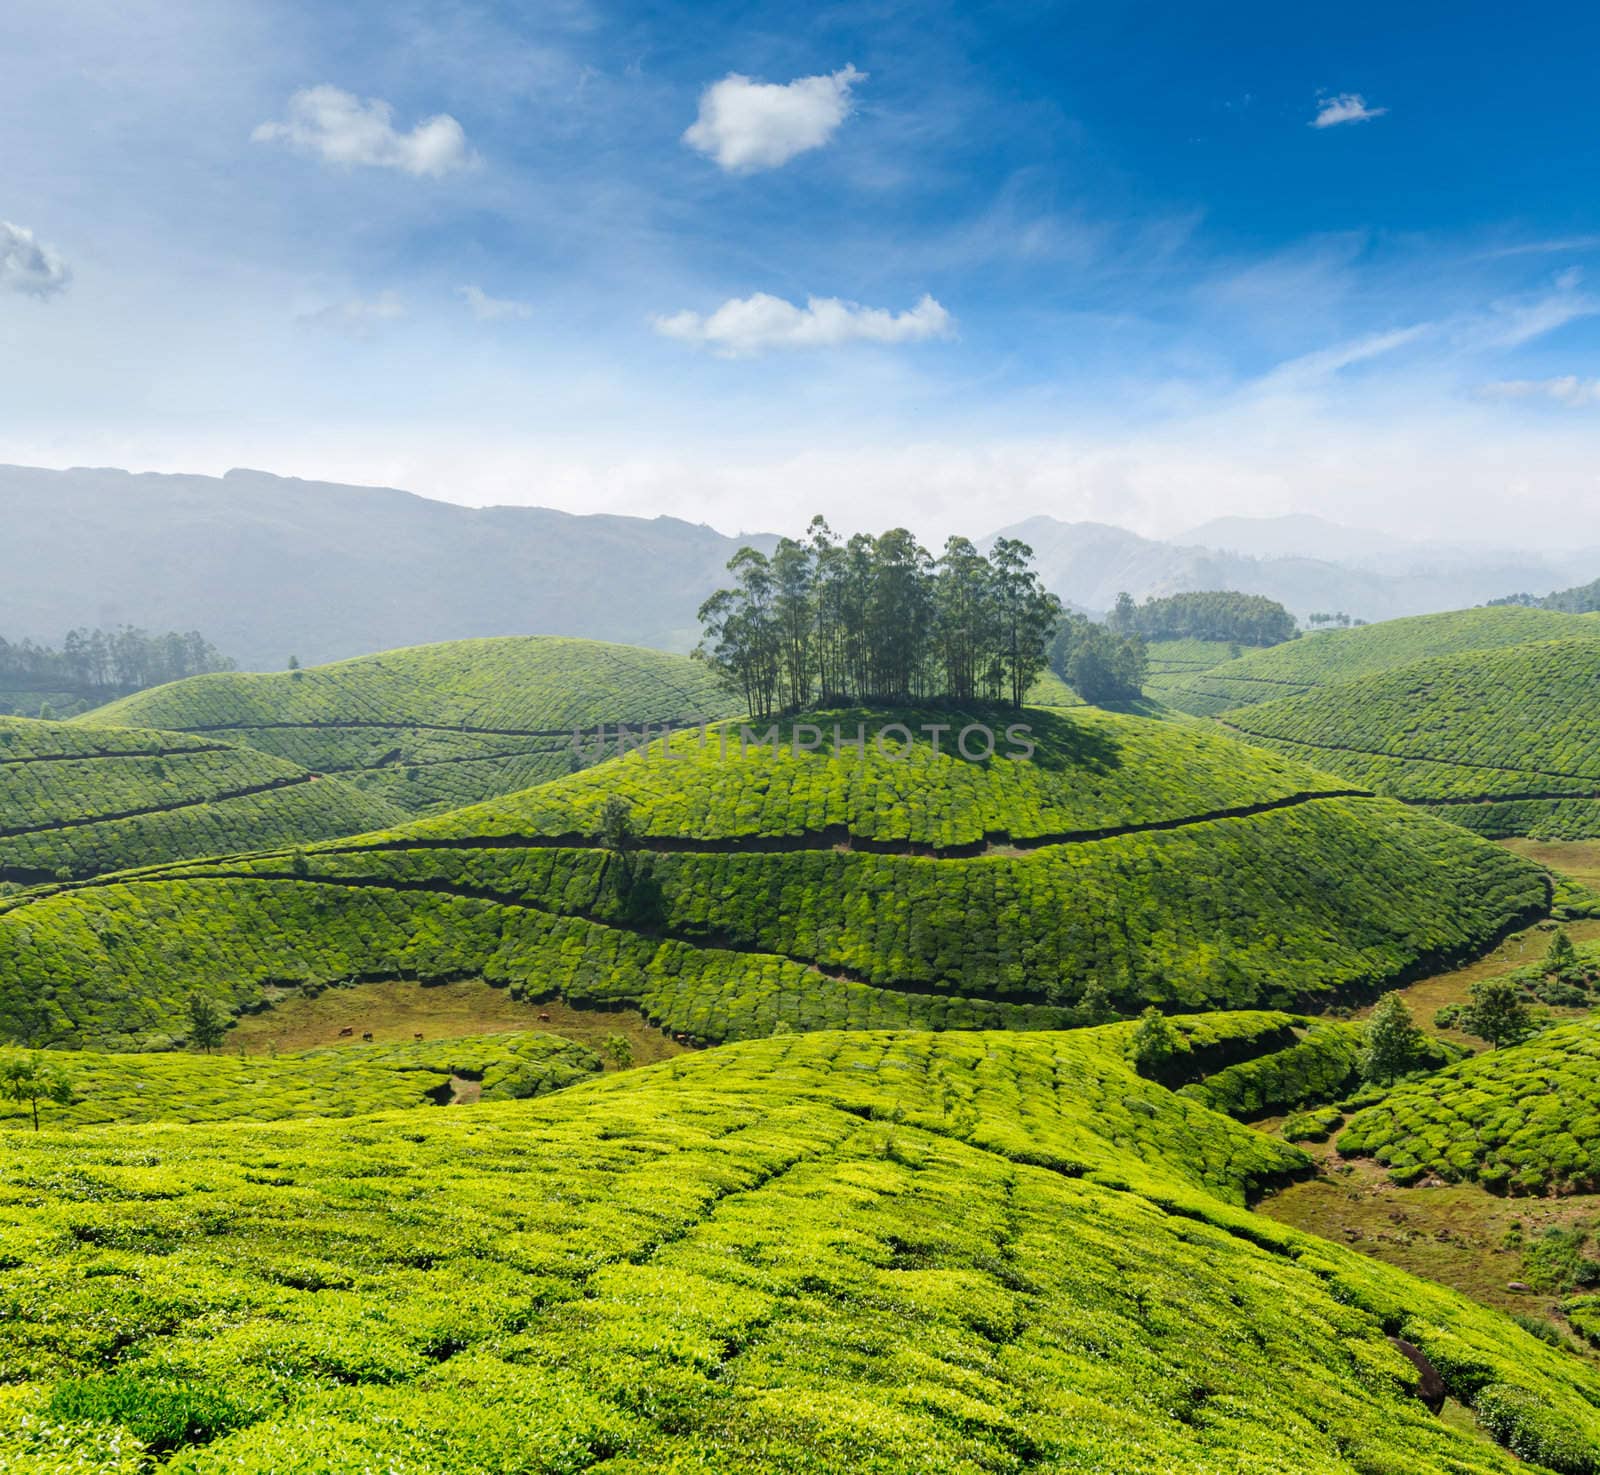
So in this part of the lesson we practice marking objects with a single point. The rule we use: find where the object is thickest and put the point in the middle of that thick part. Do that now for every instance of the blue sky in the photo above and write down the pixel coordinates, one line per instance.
(941, 265)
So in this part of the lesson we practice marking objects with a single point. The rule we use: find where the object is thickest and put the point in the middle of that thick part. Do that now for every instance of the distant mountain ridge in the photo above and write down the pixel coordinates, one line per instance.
(1091, 563)
(267, 567)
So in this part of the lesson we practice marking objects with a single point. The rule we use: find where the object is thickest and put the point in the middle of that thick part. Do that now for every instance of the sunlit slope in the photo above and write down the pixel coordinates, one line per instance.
(1175, 663)
(76, 801)
(1506, 742)
(1524, 1119)
(923, 1252)
(433, 726)
(1131, 861)
(1334, 656)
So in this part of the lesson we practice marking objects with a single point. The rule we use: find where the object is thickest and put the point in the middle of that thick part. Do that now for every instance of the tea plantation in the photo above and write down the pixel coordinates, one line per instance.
(1332, 656)
(335, 1081)
(435, 726)
(1525, 1119)
(958, 1253)
(1132, 861)
(1506, 742)
(77, 802)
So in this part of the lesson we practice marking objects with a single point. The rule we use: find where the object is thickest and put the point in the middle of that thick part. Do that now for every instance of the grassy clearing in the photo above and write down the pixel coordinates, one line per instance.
(396, 1012)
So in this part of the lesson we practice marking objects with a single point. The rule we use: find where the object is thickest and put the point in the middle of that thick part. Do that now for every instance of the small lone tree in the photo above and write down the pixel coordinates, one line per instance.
(1392, 1044)
(30, 1079)
(1155, 1044)
(206, 1024)
(618, 835)
(1497, 1012)
(1562, 959)
(620, 1049)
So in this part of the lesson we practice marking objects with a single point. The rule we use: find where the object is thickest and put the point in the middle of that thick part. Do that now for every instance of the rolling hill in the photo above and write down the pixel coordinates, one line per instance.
(875, 1253)
(1506, 742)
(1130, 861)
(435, 726)
(1524, 1119)
(78, 801)
(1335, 656)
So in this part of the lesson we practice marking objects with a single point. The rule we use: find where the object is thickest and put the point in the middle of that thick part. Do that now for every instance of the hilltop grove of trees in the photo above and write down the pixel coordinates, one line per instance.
(878, 619)
(1213, 614)
(1096, 661)
(121, 660)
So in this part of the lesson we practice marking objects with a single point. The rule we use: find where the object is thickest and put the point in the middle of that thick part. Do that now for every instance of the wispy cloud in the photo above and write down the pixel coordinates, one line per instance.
(1347, 107)
(748, 325)
(340, 128)
(747, 125)
(28, 265)
(489, 309)
(1567, 390)
(358, 317)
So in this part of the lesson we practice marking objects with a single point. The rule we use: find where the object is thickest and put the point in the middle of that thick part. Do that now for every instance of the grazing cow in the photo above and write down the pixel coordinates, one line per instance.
(345, 1033)
(367, 1035)
(544, 1019)
(417, 1036)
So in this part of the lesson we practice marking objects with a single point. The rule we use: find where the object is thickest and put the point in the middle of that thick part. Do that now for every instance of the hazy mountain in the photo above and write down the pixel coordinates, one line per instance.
(1091, 563)
(269, 566)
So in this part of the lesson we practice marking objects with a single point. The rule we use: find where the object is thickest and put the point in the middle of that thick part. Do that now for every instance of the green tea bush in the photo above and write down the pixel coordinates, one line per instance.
(1333, 657)
(76, 802)
(433, 727)
(1525, 1119)
(962, 1253)
(1502, 741)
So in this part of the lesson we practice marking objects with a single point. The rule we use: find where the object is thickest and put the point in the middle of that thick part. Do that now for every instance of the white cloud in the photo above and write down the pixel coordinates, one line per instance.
(342, 129)
(358, 317)
(1567, 390)
(489, 309)
(1347, 107)
(28, 265)
(749, 325)
(746, 125)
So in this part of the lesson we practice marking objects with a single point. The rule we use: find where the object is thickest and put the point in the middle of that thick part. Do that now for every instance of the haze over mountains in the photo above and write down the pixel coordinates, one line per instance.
(269, 567)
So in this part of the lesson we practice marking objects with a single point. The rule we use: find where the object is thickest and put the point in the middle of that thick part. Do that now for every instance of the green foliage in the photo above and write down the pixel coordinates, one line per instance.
(26, 1080)
(1181, 894)
(163, 1414)
(1316, 1125)
(1334, 657)
(334, 1081)
(433, 727)
(619, 1050)
(1562, 960)
(1496, 1011)
(1318, 1065)
(1154, 1044)
(1099, 664)
(1503, 741)
(1391, 1043)
(961, 1253)
(84, 801)
(879, 620)
(1216, 614)
(206, 1024)
(96, 664)
(1523, 1120)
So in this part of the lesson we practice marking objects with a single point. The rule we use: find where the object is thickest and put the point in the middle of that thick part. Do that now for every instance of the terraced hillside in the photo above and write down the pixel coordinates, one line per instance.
(1175, 663)
(1130, 861)
(1347, 655)
(76, 801)
(1525, 1119)
(879, 1253)
(435, 726)
(1506, 742)
(334, 1081)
